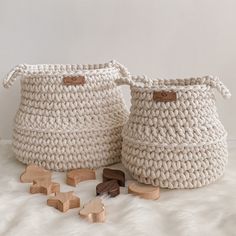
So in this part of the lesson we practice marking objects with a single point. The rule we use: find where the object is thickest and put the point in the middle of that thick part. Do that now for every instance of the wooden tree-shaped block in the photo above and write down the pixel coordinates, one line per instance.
(93, 211)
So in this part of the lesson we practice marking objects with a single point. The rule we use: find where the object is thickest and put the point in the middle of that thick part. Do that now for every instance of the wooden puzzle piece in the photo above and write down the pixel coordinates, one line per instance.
(111, 174)
(44, 186)
(76, 176)
(111, 188)
(33, 172)
(64, 201)
(144, 191)
(93, 211)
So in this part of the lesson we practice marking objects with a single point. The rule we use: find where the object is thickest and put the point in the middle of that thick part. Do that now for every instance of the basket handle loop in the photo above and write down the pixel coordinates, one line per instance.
(13, 74)
(128, 79)
(216, 83)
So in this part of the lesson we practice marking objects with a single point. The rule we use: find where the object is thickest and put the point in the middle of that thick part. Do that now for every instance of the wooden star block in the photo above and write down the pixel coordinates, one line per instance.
(111, 174)
(111, 188)
(74, 177)
(33, 172)
(144, 191)
(64, 201)
(44, 186)
(93, 211)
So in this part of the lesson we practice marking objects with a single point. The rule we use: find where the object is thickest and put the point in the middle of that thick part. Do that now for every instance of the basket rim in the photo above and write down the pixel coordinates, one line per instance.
(67, 68)
(190, 83)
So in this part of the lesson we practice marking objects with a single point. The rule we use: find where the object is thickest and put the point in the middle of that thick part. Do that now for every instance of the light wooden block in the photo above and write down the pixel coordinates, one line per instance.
(33, 172)
(74, 177)
(144, 191)
(93, 211)
(44, 186)
(64, 201)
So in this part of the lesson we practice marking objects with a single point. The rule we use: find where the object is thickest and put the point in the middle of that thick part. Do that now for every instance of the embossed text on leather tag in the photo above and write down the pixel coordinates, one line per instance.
(74, 80)
(164, 96)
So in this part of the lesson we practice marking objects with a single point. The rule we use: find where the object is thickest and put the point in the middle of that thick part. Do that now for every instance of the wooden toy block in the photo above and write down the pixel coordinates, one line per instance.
(93, 211)
(33, 172)
(64, 201)
(74, 177)
(111, 174)
(111, 188)
(44, 186)
(144, 191)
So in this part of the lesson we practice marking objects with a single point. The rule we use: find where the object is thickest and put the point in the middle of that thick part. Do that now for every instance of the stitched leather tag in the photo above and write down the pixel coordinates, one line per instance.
(164, 96)
(74, 80)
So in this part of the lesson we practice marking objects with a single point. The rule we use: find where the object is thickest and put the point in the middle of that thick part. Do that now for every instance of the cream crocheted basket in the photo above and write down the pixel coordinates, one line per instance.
(70, 116)
(174, 138)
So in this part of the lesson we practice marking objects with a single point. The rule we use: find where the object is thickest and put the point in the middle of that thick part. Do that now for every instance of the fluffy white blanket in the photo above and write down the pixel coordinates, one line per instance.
(206, 211)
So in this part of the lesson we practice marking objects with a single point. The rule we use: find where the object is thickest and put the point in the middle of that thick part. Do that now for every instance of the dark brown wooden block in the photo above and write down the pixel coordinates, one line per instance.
(111, 188)
(111, 174)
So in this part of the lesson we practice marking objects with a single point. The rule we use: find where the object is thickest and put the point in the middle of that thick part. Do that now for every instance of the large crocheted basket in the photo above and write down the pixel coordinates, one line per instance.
(70, 116)
(174, 138)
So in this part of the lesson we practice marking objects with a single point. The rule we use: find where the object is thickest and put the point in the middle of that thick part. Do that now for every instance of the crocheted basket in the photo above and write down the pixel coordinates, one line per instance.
(70, 116)
(174, 138)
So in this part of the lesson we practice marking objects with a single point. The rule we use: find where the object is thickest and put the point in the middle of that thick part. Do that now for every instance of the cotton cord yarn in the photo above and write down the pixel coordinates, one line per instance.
(64, 127)
(175, 144)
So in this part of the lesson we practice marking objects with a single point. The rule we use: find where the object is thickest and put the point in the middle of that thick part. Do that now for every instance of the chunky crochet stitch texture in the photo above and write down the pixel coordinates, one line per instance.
(177, 144)
(64, 127)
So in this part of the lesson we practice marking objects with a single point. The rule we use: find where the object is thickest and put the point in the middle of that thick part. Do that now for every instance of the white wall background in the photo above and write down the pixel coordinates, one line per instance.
(163, 38)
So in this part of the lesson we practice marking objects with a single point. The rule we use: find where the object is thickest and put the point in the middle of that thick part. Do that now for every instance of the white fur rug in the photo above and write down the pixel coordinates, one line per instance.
(207, 211)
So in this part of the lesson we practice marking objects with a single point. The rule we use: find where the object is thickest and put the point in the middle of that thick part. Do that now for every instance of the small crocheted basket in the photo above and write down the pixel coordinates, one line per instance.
(70, 116)
(174, 138)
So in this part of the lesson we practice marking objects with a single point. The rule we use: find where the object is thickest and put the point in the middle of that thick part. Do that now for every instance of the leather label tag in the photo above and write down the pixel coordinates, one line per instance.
(74, 80)
(164, 96)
